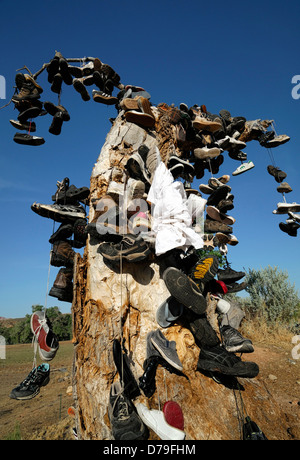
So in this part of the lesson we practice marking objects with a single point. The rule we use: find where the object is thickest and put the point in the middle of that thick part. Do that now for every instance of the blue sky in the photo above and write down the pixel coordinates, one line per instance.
(227, 55)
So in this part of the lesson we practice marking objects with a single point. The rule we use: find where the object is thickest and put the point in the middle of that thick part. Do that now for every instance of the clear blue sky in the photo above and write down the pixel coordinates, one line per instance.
(227, 55)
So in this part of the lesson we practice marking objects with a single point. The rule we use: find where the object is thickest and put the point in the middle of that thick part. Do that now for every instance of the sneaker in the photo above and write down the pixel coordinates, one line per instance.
(234, 342)
(206, 152)
(104, 98)
(212, 226)
(218, 359)
(47, 340)
(168, 312)
(205, 270)
(237, 155)
(30, 387)
(243, 168)
(57, 83)
(62, 287)
(276, 173)
(63, 232)
(215, 183)
(236, 287)
(276, 141)
(284, 187)
(201, 123)
(185, 290)
(228, 275)
(284, 208)
(25, 126)
(156, 421)
(70, 194)
(56, 125)
(218, 194)
(131, 388)
(59, 212)
(188, 168)
(140, 118)
(173, 414)
(215, 214)
(166, 349)
(28, 139)
(53, 110)
(136, 164)
(28, 113)
(132, 249)
(294, 216)
(125, 423)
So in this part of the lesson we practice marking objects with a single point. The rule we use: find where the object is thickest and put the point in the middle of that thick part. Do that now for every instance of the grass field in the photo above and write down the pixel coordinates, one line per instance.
(25, 419)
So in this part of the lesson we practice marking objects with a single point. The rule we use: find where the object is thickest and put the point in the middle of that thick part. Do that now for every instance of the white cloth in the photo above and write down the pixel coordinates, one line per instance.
(171, 219)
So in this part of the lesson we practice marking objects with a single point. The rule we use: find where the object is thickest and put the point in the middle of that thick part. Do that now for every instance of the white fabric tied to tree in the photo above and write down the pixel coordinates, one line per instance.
(171, 217)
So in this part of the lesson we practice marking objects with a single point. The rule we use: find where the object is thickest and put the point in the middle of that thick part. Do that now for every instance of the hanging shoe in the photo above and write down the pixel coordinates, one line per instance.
(57, 83)
(104, 98)
(284, 208)
(59, 212)
(53, 110)
(56, 125)
(28, 139)
(62, 254)
(243, 168)
(290, 228)
(62, 287)
(156, 421)
(25, 126)
(276, 173)
(284, 187)
(78, 84)
(234, 342)
(276, 141)
(47, 340)
(64, 231)
(168, 312)
(30, 386)
(166, 349)
(131, 388)
(132, 249)
(125, 423)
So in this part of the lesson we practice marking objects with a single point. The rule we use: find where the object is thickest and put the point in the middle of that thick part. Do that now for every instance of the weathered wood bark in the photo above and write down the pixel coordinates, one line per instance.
(106, 300)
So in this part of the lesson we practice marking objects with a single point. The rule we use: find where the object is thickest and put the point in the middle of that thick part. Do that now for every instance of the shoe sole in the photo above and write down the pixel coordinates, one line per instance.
(215, 214)
(143, 119)
(136, 257)
(251, 371)
(56, 215)
(206, 269)
(185, 290)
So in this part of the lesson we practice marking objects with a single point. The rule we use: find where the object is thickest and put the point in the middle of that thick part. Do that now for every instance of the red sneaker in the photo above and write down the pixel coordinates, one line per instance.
(47, 340)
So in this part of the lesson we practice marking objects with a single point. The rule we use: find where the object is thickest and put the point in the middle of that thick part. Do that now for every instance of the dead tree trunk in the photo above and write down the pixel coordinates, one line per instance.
(106, 300)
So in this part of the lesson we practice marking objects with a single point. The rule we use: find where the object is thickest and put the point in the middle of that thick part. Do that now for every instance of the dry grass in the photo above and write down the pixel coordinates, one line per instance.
(260, 331)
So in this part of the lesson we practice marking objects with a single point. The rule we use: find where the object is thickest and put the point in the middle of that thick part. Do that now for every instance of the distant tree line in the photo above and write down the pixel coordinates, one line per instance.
(20, 332)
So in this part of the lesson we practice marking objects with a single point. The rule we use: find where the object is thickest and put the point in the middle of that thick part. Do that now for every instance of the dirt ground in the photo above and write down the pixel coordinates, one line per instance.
(45, 417)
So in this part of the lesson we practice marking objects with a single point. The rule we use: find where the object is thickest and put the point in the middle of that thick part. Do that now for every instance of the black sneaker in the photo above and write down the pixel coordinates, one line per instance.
(125, 423)
(205, 269)
(289, 228)
(229, 276)
(234, 342)
(30, 387)
(217, 359)
(56, 125)
(25, 126)
(185, 290)
(131, 248)
(64, 231)
(130, 385)
(28, 139)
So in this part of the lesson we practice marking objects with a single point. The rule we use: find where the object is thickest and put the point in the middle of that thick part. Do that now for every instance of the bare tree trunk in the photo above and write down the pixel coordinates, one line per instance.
(110, 303)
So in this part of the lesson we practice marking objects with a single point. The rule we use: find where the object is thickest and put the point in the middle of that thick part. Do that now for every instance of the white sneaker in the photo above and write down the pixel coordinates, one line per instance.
(206, 152)
(294, 216)
(155, 420)
(243, 168)
(284, 208)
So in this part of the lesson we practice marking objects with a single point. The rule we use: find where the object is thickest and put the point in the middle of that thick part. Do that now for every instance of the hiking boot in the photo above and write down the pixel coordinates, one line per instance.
(62, 287)
(78, 84)
(53, 109)
(30, 387)
(125, 423)
(284, 187)
(56, 125)
(204, 270)
(80, 233)
(28, 139)
(104, 98)
(185, 290)
(57, 83)
(25, 126)
(47, 340)
(217, 359)
(131, 248)
(64, 231)
(276, 173)
(71, 195)
(234, 342)
(156, 421)
(166, 349)
(59, 212)
(243, 168)
(62, 254)
(28, 88)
